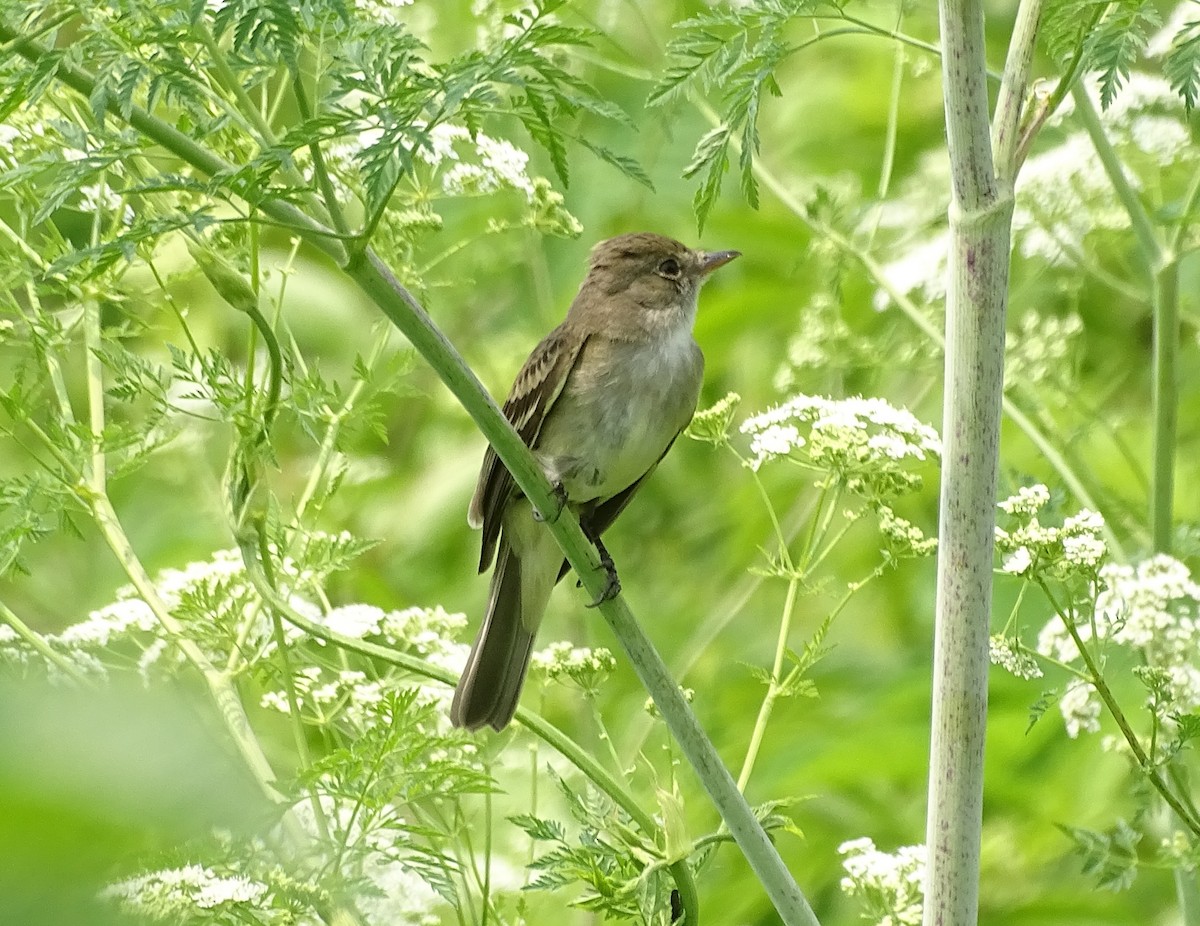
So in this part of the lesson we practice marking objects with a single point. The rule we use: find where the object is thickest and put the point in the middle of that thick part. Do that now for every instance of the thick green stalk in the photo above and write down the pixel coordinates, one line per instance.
(976, 295)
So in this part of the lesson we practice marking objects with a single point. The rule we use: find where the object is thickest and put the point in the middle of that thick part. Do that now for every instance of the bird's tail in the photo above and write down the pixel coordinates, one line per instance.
(491, 683)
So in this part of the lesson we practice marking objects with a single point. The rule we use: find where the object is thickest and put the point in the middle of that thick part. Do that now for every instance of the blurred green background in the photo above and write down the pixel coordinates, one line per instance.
(857, 755)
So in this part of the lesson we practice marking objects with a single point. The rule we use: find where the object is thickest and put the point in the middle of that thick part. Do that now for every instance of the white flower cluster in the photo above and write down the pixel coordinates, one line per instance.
(1028, 501)
(918, 242)
(384, 11)
(823, 339)
(903, 537)
(1160, 43)
(173, 893)
(864, 441)
(500, 164)
(348, 694)
(430, 633)
(1012, 658)
(1154, 608)
(460, 164)
(586, 668)
(1062, 195)
(891, 885)
(215, 601)
(712, 424)
(1042, 349)
(1080, 708)
(496, 164)
(1076, 547)
(366, 844)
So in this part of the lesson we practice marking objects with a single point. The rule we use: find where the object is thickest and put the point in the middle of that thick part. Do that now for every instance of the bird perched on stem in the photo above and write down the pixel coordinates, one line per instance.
(599, 402)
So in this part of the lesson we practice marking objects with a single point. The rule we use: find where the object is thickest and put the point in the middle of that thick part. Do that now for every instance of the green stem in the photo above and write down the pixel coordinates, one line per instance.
(1096, 678)
(1187, 895)
(296, 721)
(724, 612)
(1190, 199)
(93, 492)
(1049, 104)
(1010, 102)
(320, 170)
(1166, 405)
(1139, 218)
(980, 216)
(329, 441)
(38, 643)
(774, 686)
(1163, 269)
(222, 692)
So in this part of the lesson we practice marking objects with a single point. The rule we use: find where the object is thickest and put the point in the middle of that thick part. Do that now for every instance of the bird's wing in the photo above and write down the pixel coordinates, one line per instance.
(537, 386)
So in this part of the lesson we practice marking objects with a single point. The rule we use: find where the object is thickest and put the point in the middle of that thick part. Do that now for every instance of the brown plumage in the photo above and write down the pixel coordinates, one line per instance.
(599, 401)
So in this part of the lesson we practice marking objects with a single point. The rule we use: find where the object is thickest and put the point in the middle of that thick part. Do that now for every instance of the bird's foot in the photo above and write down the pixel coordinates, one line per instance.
(612, 583)
(560, 500)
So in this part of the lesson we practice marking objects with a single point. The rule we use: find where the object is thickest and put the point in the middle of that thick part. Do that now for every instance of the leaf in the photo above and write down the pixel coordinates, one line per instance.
(694, 56)
(626, 165)
(1110, 856)
(1181, 67)
(537, 121)
(537, 828)
(711, 160)
(1112, 49)
(1039, 707)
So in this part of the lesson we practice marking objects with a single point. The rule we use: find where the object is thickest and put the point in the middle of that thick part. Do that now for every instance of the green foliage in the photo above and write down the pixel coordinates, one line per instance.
(1111, 48)
(1105, 39)
(621, 871)
(792, 564)
(1181, 66)
(735, 51)
(1109, 856)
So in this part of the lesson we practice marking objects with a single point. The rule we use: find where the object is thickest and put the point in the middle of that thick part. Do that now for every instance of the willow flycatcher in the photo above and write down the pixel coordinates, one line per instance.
(599, 402)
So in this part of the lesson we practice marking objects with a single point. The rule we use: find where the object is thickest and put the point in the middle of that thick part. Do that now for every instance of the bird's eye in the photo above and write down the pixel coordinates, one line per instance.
(670, 268)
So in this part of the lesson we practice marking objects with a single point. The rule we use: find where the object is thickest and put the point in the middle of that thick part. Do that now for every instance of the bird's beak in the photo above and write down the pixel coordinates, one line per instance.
(711, 260)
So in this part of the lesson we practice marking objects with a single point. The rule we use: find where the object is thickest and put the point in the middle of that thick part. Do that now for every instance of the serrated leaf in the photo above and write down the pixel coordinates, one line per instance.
(626, 165)
(1110, 856)
(1039, 708)
(540, 127)
(693, 57)
(1181, 67)
(537, 828)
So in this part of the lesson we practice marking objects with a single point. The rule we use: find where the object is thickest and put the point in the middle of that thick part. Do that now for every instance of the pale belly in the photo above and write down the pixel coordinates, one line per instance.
(605, 432)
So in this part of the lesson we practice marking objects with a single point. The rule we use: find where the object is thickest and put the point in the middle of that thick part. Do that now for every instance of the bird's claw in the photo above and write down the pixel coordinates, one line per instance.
(560, 498)
(612, 583)
(612, 588)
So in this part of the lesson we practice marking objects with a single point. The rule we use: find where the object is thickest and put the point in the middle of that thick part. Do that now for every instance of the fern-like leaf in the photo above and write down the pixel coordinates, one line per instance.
(1182, 64)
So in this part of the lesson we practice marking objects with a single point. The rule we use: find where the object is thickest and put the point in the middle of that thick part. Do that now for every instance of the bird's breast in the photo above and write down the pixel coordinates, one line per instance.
(623, 405)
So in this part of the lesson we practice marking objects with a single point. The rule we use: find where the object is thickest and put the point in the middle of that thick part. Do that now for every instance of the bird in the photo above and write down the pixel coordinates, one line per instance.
(599, 402)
